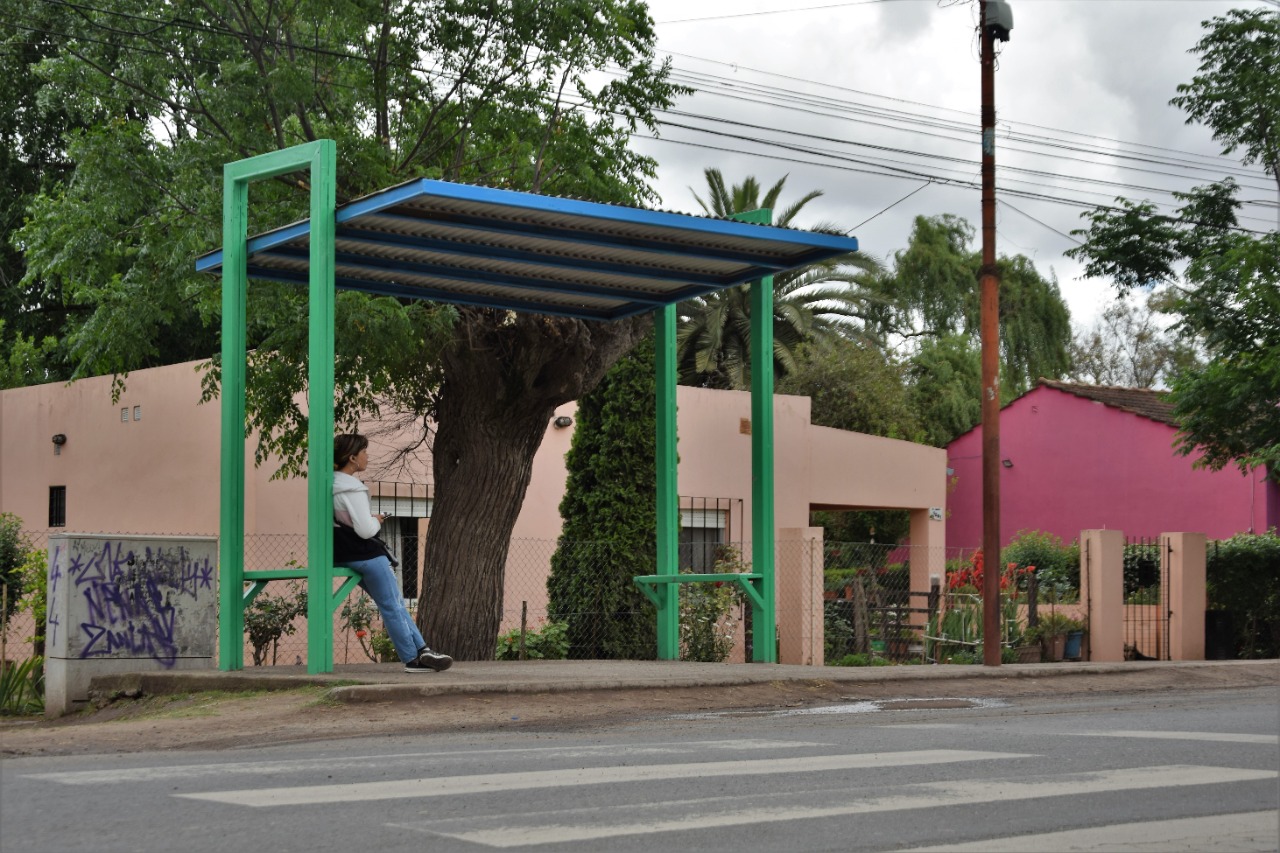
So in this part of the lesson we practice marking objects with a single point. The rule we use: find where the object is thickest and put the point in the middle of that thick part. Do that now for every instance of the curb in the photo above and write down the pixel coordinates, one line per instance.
(547, 677)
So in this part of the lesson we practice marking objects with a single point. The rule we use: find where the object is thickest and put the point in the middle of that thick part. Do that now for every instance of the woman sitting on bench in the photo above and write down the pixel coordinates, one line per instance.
(356, 547)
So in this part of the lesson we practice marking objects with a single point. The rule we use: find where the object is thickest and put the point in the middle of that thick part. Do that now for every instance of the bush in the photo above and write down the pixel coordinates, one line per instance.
(837, 633)
(22, 686)
(15, 548)
(269, 618)
(1243, 575)
(1057, 565)
(707, 623)
(35, 580)
(550, 642)
(860, 660)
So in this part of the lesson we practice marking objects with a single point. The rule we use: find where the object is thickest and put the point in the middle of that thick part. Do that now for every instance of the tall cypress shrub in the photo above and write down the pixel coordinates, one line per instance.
(609, 513)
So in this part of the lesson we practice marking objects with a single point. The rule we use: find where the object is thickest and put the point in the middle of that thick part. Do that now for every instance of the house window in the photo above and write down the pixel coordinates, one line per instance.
(124, 415)
(701, 535)
(57, 506)
(137, 413)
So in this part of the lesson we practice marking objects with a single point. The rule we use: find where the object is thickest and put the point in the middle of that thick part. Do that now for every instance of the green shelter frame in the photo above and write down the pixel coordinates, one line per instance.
(465, 244)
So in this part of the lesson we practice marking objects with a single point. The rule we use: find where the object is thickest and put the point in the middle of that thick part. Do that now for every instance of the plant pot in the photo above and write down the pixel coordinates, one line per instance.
(1071, 648)
(1028, 654)
(1053, 647)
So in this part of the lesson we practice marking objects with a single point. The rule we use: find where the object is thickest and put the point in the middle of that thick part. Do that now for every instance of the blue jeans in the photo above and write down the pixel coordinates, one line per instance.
(380, 582)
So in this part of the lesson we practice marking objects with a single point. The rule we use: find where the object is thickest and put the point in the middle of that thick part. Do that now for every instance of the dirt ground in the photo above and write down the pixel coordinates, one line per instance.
(214, 721)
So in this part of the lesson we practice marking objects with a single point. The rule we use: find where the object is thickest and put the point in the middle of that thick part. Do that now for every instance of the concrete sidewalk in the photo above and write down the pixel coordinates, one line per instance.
(388, 682)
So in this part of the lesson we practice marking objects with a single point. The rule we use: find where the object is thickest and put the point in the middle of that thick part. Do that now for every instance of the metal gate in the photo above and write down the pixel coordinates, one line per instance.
(1146, 599)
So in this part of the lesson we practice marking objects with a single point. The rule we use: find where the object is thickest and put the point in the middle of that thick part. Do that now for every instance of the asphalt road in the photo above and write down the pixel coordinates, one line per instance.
(1187, 771)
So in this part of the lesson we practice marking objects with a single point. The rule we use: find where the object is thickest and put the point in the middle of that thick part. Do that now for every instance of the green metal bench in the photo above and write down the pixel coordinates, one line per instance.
(257, 581)
(749, 582)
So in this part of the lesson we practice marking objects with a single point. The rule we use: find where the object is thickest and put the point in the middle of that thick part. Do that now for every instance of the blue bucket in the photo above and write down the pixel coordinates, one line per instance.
(1071, 651)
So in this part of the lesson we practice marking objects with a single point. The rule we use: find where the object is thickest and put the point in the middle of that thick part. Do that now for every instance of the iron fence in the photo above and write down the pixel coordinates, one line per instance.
(1146, 599)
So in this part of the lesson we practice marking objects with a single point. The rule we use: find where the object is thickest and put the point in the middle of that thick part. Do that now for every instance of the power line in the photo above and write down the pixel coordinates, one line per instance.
(970, 116)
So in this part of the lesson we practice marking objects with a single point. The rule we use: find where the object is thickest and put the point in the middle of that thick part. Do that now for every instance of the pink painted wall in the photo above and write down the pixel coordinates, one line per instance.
(1079, 464)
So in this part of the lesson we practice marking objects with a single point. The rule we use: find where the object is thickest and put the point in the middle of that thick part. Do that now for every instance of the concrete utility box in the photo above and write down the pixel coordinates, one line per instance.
(127, 604)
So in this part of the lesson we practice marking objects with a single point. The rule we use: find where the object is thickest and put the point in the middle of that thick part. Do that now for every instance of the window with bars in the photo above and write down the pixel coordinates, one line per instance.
(57, 506)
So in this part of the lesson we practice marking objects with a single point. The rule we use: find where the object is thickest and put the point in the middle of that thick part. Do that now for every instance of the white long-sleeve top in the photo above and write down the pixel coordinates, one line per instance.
(351, 505)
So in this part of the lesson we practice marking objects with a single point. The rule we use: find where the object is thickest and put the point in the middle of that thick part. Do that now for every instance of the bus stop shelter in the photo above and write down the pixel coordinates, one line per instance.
(464, 244)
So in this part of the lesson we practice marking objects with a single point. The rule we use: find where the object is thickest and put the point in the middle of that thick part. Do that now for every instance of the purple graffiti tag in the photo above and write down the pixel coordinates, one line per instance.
(55, 571)
(130, 600)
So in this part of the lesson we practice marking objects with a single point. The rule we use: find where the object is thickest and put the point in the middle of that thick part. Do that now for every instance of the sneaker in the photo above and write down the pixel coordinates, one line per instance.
(429, 661)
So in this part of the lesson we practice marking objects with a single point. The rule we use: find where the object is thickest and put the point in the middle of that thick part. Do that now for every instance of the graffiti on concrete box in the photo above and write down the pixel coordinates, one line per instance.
(129, 598)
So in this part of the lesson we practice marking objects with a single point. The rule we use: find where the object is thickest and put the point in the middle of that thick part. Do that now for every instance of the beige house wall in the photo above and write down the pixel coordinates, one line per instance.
(159, 474)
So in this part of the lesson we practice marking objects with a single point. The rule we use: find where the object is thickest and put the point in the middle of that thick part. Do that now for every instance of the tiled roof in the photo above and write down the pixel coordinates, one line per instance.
(1146, 402)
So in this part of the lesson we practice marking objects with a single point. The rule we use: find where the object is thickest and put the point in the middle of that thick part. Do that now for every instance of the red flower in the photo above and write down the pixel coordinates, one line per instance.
(362, 633)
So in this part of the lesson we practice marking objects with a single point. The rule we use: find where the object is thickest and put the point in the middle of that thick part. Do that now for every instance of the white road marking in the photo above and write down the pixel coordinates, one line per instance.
(868, 706)
(930, 795)
(1219, 737)
(541, 779)
(310, 765)
(1252, 832)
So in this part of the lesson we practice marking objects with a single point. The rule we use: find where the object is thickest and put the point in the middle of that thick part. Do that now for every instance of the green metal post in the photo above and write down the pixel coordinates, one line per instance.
(764, 618)
(320, 411)
(235, 204)
(668, 503)
(321, 158)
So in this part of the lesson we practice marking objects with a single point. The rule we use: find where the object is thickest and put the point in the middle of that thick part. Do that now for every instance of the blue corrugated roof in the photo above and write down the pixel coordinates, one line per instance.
(474, 245)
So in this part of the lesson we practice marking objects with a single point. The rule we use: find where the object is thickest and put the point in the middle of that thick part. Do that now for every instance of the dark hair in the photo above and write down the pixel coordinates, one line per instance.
(345, 447)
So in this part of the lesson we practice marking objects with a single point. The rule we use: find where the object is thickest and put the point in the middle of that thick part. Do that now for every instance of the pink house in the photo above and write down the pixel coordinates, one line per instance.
(1077, 457)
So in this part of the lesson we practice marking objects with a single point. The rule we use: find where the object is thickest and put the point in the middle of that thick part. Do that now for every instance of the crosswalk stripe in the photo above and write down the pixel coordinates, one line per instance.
(1248, 831)
(492, 782)
(309, 765)
(925, 796)
(1217, 737)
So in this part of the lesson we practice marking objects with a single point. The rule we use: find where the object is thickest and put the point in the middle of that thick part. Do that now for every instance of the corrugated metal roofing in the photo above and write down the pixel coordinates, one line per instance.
(481, 246)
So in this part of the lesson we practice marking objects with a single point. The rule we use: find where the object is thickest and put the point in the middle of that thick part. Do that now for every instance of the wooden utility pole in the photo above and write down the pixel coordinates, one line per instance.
(992, 26)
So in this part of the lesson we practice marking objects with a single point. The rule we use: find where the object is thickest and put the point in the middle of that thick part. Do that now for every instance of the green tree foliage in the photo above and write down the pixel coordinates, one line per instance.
(946, 386)
(934, 286)
(32, 160)
(161, 94)
(821, 301)
(1235, 94)
(853, 387)
(1228, 296)
(610, 515)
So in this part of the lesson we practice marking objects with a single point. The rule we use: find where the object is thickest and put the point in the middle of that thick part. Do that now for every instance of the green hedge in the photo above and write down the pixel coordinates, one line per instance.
(1243, 575)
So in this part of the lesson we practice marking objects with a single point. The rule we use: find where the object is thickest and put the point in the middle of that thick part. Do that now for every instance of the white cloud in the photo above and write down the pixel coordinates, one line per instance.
(1101, 69)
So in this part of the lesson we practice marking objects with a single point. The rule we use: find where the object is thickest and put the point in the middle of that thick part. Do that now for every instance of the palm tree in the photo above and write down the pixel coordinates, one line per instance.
(836, 297)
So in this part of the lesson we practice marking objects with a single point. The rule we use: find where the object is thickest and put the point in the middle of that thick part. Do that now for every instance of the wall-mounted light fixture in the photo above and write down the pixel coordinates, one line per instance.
(1008, 463)
(59, 439)
(563, 422)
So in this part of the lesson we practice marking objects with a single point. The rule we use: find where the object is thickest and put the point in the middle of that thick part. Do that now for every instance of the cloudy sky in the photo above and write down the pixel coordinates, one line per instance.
(877, 100)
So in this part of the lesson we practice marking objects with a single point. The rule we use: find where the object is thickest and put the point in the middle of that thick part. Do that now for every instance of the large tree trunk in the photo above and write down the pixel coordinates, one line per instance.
(503, 378)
